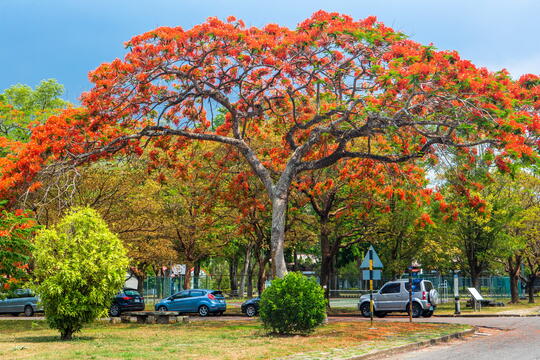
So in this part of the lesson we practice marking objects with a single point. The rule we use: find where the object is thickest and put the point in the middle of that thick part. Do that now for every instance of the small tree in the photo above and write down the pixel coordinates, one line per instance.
(293, 304)
(79, 266)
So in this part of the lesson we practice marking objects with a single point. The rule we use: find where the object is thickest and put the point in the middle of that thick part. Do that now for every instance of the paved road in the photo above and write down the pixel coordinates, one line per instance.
(520, 339)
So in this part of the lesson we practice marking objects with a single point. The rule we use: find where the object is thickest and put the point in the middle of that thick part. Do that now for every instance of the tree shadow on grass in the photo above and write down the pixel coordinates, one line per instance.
(46, 339)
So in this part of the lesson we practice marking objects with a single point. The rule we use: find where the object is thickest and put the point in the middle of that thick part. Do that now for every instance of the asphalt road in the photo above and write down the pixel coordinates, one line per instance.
(519, 339)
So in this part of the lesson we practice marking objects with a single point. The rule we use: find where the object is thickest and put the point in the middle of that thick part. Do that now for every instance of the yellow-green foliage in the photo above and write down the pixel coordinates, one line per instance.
(79, 266)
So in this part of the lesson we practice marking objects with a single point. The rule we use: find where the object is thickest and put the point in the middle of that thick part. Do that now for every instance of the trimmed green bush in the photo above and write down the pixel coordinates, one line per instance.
(79, 266)
(294, 304)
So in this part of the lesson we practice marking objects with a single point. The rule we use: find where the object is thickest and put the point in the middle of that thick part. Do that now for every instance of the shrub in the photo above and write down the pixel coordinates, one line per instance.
(294, 304)
(79, 266)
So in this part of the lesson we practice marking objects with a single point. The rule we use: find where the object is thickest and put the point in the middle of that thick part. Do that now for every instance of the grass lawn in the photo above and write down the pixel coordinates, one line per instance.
(207, 340)
(523, 307)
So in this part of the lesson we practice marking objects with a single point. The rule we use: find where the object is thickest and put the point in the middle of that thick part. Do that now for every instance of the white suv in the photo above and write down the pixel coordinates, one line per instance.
(394, 297)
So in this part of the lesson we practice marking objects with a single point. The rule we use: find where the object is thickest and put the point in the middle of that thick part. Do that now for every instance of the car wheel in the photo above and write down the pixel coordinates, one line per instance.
(162, 308)
(416, 310)
(380, 314)
(203, 310)
(114, 310)
(28, 311)
(251, 311)
(427, 313)
(365, 310)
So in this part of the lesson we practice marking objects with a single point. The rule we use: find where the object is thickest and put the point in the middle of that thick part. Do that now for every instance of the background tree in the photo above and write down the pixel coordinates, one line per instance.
(16, 230)
(79, 266)
(20, 105)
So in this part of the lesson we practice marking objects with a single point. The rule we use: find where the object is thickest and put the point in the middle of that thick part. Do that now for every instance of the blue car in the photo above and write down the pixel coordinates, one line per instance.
(201, 301)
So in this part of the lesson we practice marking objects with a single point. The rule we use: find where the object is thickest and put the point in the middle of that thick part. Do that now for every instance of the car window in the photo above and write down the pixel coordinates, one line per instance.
(131, 293)
(391, 288)
(181, 295)
(415, 286)
(428, 285)
(195, 293)
(20, 293)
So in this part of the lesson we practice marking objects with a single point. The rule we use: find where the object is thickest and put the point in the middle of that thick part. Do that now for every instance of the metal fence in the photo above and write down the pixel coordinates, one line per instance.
(491, 286)
(344, 288)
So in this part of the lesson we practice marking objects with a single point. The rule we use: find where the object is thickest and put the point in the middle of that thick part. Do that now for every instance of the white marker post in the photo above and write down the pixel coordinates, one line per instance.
(457, 310)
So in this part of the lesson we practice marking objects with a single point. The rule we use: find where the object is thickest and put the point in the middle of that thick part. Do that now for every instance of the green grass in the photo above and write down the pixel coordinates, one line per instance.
(206, 340)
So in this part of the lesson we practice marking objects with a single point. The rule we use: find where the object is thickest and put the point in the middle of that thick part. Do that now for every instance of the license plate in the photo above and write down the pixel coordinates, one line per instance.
(138, 300)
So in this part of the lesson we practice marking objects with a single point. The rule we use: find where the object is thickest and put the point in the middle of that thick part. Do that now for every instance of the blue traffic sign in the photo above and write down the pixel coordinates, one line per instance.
(376, 275)
(377, 263)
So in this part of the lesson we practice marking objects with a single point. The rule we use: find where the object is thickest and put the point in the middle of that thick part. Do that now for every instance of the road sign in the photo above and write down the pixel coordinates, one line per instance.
(376, 275)
(377, 263)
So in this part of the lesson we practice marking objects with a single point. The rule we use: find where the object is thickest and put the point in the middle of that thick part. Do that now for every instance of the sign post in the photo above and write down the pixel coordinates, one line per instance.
(412, 269)
(371, 261)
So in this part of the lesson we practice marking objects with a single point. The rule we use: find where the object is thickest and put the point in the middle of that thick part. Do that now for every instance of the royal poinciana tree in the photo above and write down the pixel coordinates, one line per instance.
(330, 90)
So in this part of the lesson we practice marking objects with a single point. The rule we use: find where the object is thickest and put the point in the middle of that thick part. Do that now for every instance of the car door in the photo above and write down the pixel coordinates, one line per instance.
(5, 305)
(387, 296)
(195, 297)
(18, 301)
(179, 301)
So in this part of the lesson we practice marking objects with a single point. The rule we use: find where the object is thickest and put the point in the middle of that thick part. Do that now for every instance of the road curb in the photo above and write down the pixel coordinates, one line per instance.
(414, 346)
(486, 315)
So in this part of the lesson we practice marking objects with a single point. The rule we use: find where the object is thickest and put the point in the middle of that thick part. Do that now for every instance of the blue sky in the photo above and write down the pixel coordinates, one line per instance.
(65, 39)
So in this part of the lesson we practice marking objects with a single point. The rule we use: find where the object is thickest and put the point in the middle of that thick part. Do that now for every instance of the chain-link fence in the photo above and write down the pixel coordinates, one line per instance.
(344, 290)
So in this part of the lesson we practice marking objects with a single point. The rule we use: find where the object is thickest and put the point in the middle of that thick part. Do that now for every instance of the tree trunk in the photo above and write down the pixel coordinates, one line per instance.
(475, 271)
(530, 287)
(233, 275)
(513, 267)
(187, 277)
(196, 275)
(140, 283)
(245, 270)
(250, 282)
(262, 260)
(277, 240)
(66, 333)
(326, 260)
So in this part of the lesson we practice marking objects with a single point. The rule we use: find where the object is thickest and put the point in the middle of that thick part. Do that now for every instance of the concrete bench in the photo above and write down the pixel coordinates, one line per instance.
(153, 317)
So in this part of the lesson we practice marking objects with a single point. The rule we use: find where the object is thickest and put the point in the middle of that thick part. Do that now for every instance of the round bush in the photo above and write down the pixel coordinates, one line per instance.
(294, 304)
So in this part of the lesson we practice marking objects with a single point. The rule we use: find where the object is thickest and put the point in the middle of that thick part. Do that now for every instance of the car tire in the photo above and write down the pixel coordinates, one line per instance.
(251, 310)
(203, 311)
(365, 309)
(162, 308)
(380, 314)
(416, 310)
(28, 311)
(114, 311)
(427, 313)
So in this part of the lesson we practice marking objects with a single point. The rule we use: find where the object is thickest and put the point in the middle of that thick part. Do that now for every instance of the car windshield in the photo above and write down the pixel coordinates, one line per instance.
(217, 293)
(131, 293)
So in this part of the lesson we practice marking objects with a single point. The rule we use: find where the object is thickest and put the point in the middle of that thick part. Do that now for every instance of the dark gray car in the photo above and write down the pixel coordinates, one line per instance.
(21, 301)
(394, 297)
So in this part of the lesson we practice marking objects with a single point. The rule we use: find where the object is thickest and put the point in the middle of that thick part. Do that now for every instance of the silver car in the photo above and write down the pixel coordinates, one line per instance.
(394, 297)
(22, 301)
